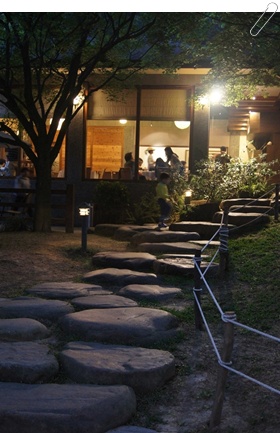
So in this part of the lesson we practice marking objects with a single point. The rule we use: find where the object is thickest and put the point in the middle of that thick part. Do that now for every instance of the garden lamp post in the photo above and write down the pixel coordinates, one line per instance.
(188, 196)
(84, 212)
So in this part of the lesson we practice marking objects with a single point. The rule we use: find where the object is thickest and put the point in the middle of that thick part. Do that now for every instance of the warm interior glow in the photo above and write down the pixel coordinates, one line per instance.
(59, 123)
(182, 124)
(123, 121)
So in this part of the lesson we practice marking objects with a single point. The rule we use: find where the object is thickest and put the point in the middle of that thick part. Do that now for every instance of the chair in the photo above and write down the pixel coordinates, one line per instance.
(125, 173)
(107, 175)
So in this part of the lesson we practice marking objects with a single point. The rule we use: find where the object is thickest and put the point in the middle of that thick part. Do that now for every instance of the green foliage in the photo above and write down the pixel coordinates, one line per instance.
(177, 189)
(111, 200)
(146, 210)
(17, 223)
(215, 182)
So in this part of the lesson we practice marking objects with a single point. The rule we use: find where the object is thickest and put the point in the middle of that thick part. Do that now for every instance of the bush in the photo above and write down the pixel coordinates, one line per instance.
(215, 182)
(111, 202)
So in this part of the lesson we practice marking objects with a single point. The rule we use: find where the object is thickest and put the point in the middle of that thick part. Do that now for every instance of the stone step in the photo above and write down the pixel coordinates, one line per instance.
(145, 370)
(131, 429)
(33, 308)
(130, 326)
(69, 408)
(253, 209)
(119, 277)
(124, 260)
(182, 266)
(26, 362)
(163, 236)
(145, 292)
(205, 229)
(101, 301)
(226, 204)
(169, 247)
(64, 290)
(238, 219)
(22, 329)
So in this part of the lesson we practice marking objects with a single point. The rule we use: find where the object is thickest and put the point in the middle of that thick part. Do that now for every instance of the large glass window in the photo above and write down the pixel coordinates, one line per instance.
(112, 129)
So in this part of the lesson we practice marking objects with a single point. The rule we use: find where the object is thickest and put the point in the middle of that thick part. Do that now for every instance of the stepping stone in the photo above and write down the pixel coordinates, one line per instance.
(64, 290)
(101, 301)
(64, 408)
(137, 326)
(131, 429)
(205, 229)
(225, 204)
(176, 247)
(26, 362)
(182, 266)
(145, 370)
(33, 308)
(149, 292)
(119, 277)
(22, 330)
(253, 209)
(124, 234)
(106, 229)
(161, 236)
(124, 260)
(239, 218)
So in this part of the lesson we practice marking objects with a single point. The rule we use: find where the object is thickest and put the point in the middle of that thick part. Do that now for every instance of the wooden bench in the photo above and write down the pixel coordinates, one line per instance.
(66, 204)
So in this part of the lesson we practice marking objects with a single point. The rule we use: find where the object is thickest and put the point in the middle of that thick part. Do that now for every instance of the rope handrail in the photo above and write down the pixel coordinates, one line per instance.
(225, 318)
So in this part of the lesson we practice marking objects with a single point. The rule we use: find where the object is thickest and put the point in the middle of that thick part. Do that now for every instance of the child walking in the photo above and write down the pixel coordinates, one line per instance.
(162, 195)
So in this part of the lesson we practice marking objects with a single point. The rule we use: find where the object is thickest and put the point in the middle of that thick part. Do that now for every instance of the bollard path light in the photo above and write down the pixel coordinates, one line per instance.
(84, 212)
(188, 196)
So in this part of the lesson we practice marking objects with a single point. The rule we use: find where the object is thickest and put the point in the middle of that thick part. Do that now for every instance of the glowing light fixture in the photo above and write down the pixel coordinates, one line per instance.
(123, 121)
(188, 196)
(215, 96)
(182, 124)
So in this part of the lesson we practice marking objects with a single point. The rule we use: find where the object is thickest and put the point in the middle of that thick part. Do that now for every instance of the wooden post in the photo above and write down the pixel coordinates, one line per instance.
(223, 250)
(276, 205)
(215, 419)
(197, 289)
(69, 211)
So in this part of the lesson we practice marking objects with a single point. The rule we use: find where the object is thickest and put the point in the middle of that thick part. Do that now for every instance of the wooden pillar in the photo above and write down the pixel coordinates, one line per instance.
(199, 138)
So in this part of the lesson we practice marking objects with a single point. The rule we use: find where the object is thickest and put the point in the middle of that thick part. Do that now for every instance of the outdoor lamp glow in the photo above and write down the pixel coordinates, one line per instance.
(188, 196)
(83, 211)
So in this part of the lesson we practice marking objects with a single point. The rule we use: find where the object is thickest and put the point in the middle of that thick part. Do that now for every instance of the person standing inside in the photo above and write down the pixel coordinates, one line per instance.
(222, 157)
(150, 160)
(163, 199)
(173, 161)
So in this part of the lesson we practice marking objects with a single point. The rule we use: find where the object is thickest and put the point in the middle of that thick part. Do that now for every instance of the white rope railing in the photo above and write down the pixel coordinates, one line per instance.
(226, 318)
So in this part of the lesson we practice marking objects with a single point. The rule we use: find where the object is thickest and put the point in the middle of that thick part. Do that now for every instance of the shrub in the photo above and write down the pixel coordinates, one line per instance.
(215, 182)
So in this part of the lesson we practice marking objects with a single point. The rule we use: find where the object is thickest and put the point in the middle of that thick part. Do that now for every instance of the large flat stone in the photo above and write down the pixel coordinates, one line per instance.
(33, 308)
(169, 247)
(101, 301)
(22, 330)
(53, 408)
(226, 204)
(239, 218)
(182, 266)
(133, 326)
(205, 229)
(64, 290)
(124, 260)
(163, 236)
(119, 277)
(26, 362)
(149, 292)
(145, 370)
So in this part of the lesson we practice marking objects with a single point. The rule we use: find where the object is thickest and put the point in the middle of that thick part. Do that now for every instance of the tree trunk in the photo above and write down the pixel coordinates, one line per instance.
(42, 220)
